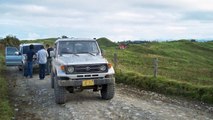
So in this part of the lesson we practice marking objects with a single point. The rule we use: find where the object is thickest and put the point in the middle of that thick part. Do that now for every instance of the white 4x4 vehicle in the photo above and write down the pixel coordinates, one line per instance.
(78, 64)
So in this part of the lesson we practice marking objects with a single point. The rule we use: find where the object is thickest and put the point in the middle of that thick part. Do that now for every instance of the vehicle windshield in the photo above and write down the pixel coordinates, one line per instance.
(27, 48)
(78, 47)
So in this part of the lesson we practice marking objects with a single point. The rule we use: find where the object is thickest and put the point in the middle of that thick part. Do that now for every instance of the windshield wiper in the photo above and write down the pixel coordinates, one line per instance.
(89, 53)
(73, 53)
(70, 53)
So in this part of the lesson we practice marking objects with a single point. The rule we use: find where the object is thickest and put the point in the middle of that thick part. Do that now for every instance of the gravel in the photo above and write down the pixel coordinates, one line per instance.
(33, 99)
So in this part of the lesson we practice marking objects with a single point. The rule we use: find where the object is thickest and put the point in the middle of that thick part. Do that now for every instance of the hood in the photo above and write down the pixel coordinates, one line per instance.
(81, 59)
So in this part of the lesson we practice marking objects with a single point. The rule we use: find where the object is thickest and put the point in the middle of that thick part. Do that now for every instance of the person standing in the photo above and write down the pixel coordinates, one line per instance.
(30, 55)
(42, 60)
(49, 59)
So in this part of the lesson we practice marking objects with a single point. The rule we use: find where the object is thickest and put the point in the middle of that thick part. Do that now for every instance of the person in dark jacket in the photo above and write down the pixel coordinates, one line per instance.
(49, 59)
(29, 62)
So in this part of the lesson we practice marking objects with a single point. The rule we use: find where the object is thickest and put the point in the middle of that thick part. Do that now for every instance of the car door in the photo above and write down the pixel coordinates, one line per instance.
(12, 56)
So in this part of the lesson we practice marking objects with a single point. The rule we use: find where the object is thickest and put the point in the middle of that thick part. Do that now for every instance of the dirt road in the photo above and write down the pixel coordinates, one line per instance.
(33, 99)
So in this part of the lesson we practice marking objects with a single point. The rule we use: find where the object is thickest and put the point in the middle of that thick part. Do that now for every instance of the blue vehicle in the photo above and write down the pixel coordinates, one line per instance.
(15, 57)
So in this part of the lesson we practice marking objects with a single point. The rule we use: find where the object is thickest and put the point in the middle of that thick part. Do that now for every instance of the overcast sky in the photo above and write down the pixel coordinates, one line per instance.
(115, 19)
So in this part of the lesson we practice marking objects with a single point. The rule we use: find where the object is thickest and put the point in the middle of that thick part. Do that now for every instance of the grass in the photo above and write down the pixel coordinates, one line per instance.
(184, 68)
(179, 61)
(5, 108)
(166, 86)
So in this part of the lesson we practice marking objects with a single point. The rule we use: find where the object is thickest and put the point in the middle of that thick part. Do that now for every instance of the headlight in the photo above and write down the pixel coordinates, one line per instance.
(70, 69)
(109, 65)
(103, 67)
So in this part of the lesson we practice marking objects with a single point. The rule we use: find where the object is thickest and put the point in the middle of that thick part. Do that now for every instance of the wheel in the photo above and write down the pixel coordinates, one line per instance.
(52, 79)
(108, 91)
(60, 92)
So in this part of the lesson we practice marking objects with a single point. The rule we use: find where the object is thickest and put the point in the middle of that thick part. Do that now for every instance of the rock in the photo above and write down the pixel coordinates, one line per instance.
(158, 102)
(134, 118)
(63, 105)
(125, 108)
(16, 109)
(107, 113)
(137, 114)
(110, 108)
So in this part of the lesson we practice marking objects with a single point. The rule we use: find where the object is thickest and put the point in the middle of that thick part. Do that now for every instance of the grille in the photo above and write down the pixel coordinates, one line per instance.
(82, 69)
(88, 78)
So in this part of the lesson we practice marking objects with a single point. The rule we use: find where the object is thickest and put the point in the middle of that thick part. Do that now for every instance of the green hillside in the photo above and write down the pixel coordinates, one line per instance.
(44, 41)
(184, 61)
(184, 68)
(104, 42)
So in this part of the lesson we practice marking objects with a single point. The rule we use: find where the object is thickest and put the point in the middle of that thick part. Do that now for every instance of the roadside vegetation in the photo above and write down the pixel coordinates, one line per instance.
(5, 108)
(9, 40)
(6, 111)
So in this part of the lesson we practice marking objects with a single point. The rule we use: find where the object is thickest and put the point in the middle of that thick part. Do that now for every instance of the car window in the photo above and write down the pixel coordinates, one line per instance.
(78, 47)
(11, 50)
(27, 48)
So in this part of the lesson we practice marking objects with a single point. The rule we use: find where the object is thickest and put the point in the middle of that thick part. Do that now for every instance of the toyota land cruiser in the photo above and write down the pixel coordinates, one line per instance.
(78, 64)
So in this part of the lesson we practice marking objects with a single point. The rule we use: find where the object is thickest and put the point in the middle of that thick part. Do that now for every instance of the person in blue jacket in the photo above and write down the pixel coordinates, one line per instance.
(30, 54)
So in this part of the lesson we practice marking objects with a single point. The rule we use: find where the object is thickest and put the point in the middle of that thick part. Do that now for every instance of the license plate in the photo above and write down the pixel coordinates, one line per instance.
(88, 83)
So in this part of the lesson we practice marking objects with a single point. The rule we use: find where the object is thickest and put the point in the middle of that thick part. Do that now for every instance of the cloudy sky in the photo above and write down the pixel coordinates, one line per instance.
(115, 19)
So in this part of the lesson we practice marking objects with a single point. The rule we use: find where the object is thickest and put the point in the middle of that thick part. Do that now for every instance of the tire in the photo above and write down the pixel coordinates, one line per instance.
(60, 93)
(52, 79)
(108, 91)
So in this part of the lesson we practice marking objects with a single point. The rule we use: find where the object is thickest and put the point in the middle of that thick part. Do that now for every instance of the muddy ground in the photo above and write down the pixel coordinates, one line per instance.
(33, 99)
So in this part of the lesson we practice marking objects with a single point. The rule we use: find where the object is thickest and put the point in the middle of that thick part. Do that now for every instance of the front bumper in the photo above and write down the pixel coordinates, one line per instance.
(76, 83)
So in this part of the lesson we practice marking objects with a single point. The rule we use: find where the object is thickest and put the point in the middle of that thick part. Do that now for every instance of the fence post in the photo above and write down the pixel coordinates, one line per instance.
(115, 60)
(155, 67)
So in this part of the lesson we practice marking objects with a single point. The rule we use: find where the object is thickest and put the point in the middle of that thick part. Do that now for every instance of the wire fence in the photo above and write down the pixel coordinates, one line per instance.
(119, 62)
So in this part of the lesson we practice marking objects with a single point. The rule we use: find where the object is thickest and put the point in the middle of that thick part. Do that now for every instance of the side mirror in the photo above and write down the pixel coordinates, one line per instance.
(17, 53)
(102, 52)
(52, 54)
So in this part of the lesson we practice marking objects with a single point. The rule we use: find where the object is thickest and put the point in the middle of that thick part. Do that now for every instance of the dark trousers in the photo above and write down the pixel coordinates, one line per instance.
(25, 67)
(42, 71)
(48, 66)
(30, 68)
